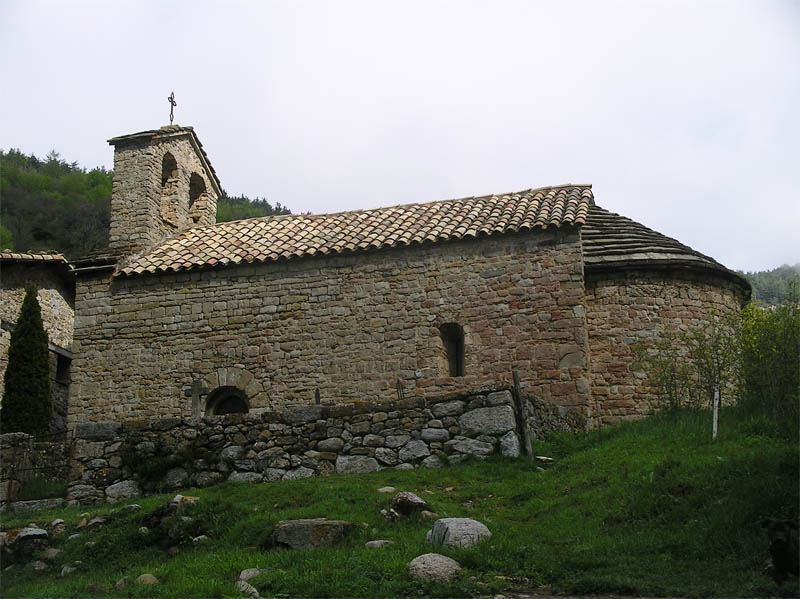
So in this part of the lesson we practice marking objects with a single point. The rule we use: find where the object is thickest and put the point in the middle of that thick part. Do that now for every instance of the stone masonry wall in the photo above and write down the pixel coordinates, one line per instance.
(120, 460)
(55, 299)
(625, 310)
(143, 211)
(349, 326)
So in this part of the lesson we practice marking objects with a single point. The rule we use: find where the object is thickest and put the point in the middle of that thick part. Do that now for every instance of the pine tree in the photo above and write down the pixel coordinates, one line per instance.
(26, 405)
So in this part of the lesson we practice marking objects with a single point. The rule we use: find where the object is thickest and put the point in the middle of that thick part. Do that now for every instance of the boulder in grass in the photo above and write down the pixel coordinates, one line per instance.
(147, 579)
(58, 528)
(251, 573)
(27, 534)
(309, 532)
(406, 503)
(247, 589)
(457, 532)
(24, 543)
(433, 566)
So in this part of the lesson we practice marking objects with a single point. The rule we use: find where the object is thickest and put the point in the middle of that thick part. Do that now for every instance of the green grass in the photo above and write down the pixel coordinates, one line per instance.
(650, 508)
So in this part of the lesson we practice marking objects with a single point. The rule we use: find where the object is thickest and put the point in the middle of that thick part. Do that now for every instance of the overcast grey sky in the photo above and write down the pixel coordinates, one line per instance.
(682, 114)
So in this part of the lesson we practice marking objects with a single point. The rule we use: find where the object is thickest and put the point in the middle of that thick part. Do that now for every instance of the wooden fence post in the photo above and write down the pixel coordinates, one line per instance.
(522, 411)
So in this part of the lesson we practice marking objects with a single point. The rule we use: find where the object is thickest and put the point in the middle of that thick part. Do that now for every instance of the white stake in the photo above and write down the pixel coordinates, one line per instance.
(716, 415)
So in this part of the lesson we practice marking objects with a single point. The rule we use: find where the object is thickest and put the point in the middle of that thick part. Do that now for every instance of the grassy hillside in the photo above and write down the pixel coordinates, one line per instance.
(650, 508)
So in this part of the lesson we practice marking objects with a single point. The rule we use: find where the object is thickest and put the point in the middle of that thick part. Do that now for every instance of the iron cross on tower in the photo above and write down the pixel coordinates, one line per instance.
(172, 105)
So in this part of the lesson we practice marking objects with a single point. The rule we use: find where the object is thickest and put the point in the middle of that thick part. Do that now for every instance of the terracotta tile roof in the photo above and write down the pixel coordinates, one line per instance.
(54, 262)
(294, 236)
(8, 255)
(611, 241)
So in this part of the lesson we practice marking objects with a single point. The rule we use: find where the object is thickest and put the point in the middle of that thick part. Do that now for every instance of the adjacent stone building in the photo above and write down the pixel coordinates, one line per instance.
(52, 276)
(185, 317)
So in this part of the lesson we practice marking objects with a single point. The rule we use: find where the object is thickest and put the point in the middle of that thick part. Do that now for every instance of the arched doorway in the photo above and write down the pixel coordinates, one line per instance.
(227, 400)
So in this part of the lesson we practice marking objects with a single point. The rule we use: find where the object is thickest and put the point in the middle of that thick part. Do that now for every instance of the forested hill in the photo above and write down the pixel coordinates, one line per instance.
(775, 286)
(51, 204)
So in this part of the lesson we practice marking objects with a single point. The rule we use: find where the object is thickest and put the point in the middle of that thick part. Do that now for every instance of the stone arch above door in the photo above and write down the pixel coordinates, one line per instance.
(237, 378)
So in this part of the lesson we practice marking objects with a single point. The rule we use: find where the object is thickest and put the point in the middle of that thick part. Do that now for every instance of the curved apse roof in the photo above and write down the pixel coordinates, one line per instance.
(614, 242)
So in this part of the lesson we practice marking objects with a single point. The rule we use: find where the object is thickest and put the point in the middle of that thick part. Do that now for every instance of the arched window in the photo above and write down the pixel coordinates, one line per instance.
(197, 187)
(169, 169)
(227, 400)
(453, 343)
(169, 189)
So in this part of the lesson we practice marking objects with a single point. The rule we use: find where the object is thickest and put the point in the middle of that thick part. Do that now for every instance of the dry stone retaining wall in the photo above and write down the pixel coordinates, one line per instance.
(114, 461)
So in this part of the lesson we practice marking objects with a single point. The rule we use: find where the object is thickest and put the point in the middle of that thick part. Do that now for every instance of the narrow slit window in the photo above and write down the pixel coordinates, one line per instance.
(453, 343)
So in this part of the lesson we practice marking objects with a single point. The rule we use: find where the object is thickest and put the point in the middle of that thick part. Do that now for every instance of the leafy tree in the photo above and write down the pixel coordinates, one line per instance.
(54, 205)
(26, 405)
(771, 355)
(714, 356)
(237, 207)
(773, 287)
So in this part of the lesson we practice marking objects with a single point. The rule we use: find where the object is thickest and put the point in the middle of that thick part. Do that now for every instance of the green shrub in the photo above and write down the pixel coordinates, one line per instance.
(714, 353)
(771, 355)
(753, 357)
(668, 369)
(26, 403)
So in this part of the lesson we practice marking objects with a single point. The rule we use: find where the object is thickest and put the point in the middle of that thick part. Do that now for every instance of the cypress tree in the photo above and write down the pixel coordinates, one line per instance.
(26, 405)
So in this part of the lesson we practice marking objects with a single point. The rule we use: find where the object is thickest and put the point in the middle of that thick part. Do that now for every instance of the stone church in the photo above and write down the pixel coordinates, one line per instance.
(186, 317)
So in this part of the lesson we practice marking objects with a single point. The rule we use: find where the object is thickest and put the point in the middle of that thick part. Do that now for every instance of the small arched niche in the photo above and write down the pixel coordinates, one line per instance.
(227, 400)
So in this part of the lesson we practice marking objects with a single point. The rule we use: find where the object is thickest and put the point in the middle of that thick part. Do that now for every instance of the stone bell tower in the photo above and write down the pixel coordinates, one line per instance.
(164, 184)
